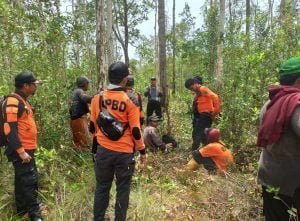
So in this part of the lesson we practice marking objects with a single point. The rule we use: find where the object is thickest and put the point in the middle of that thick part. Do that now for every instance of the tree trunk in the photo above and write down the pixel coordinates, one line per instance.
(282, 10)
(126, 32)
(247, 17)
(220, 46)
(162, 58)
(100, 42)
(174, 50)
(109, 37)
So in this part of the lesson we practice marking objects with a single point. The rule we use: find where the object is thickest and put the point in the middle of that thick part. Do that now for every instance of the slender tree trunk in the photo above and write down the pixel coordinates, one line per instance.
(282, 10)
(155, 40)
(162, 58)
(247, 17)
(109, 37)
(100, 42)
(126, 32)
(220, 46)
(174, 50)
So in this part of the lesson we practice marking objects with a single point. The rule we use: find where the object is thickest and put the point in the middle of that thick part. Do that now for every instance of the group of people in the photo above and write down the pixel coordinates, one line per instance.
(115, 132)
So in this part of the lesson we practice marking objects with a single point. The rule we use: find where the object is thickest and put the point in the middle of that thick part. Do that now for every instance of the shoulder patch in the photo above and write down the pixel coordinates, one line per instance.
(133, 98)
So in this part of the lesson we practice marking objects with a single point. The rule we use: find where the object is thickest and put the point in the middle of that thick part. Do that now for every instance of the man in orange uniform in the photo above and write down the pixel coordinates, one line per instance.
(21, 132)
(206, 107)
(116, 158)
(214, 156)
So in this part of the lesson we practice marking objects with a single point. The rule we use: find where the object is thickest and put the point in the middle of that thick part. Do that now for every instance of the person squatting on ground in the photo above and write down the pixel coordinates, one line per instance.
(279, 138)
(21, 131)
(116, 158)
(153, 92)
(152, 138)
(135, 96)
(214, 156)
(78, 109)
(206, 107)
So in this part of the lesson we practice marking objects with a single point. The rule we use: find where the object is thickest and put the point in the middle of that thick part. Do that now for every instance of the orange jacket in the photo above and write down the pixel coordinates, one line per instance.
(20, 127)
(124, 110)
(218, 153)
(207, 101)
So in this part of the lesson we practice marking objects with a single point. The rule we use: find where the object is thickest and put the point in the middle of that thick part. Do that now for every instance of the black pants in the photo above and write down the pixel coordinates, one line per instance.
(207, 162)
(276, 210)
(154, 106)
(109, 164)
(199, 124)
(26, 188)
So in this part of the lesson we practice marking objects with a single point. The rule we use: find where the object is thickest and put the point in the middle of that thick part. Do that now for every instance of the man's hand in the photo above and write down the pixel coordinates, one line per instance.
(169, 145)
(143, 161)
(25, 157)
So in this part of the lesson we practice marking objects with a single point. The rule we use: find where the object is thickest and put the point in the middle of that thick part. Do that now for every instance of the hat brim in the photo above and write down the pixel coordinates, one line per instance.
(37, 82)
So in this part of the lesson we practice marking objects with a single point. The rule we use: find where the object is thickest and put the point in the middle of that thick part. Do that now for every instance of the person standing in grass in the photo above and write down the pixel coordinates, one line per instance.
(115, 157)
(153, 92)
(279, 138)
(21, 133)
(206, 107)
(79, 107)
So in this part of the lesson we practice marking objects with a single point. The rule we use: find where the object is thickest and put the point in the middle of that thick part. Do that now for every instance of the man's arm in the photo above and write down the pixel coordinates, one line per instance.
(85, 98)
(134, 125)
(146, 93)
(13, 109)
(95, 109)
(295, 121)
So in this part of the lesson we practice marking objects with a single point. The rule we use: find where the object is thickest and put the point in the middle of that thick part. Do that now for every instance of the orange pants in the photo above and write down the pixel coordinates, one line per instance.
(81, 136)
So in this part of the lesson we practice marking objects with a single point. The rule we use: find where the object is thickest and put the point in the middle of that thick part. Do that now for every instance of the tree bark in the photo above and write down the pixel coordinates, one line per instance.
(174, 50)
(100, 42)
(220, 46)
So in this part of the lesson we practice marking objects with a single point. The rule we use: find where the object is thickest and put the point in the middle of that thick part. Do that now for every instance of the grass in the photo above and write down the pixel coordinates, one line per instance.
(159, 192)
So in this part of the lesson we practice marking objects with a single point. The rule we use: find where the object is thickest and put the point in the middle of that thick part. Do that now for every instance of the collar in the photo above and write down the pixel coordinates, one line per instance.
(114, 87)
(20, 93)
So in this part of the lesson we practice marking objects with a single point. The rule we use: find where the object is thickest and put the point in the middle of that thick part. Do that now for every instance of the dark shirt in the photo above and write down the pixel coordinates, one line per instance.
(79, 103)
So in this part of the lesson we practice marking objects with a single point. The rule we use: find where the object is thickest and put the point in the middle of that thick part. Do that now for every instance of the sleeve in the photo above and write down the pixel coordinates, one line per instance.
(12, 111)
(134, 125)
(84, 98)
(295, 121)
(156, 139)
(146, 93)
(216, 102)
(210, 150)
(160, 94)
(93, 128)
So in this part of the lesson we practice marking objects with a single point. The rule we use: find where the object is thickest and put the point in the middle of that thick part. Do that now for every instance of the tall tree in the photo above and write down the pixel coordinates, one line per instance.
(100, 40)
(162, 56)
(220, 46)
(174, 49)
(128, 14)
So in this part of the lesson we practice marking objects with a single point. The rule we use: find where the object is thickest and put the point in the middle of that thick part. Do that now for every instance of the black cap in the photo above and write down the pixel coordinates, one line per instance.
(153, 79)
(130, 81)
(190, 82)
(117, 71)
(199, 79)
(81, 81)
(25, 77)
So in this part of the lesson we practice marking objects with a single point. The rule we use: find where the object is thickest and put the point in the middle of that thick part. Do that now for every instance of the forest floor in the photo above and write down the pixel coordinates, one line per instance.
(161, 191)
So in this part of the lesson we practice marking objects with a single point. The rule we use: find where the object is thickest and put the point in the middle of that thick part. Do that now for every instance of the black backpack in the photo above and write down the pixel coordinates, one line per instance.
(3, 139)
(108, 124)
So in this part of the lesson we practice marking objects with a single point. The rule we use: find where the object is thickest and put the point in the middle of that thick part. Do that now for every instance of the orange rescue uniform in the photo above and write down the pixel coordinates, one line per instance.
(207, 101)
(24, 137)
(218, 153)
(124, 110)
